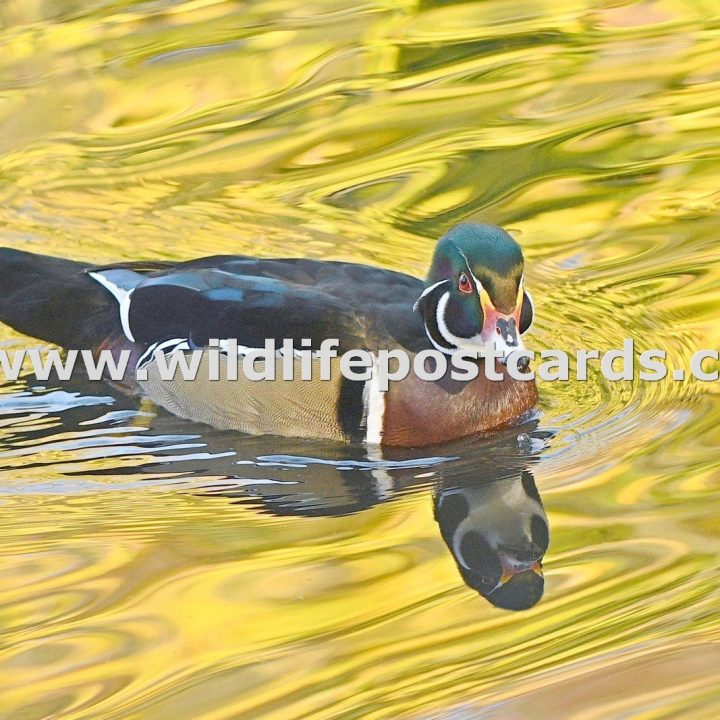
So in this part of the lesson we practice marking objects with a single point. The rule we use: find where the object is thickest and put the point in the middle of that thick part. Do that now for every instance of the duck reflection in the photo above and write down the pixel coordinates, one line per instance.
(486, 504)
(497, 531)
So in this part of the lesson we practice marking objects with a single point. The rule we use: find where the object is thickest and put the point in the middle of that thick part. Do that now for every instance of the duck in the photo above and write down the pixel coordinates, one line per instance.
(473, 294)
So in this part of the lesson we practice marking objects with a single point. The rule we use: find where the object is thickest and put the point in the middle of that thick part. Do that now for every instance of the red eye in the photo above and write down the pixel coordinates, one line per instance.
(464, 284)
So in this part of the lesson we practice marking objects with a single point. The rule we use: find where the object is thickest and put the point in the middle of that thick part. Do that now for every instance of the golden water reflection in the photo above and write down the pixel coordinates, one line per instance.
(153, 568)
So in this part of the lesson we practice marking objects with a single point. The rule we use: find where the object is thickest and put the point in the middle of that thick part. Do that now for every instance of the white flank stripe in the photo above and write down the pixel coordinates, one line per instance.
(123, 298)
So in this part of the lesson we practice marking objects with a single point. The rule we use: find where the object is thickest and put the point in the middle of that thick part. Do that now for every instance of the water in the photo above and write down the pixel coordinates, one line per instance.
(153, 568)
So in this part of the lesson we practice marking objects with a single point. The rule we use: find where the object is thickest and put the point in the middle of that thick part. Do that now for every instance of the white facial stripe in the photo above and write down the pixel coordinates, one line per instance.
(470, 343)
(505, 349)
(427, 291)
(477, 282)
(502, 343)
(456, 535)
(501, 512)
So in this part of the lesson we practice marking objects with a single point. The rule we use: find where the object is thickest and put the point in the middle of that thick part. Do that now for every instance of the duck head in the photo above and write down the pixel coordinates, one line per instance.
(497, 531)
(474, 291)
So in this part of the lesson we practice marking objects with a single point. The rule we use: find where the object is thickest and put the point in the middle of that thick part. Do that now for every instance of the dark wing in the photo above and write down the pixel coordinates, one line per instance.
(242, 300)
(211, 303)
(251, 300)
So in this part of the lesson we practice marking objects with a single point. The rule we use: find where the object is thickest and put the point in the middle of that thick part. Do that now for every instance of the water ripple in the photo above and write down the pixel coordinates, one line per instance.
(154, 568)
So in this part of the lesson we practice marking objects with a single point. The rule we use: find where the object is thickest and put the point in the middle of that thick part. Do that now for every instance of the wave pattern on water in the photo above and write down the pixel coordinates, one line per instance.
(153, 568)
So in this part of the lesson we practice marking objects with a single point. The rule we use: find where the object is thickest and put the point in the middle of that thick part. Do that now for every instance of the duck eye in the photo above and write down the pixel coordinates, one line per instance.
(464, 284)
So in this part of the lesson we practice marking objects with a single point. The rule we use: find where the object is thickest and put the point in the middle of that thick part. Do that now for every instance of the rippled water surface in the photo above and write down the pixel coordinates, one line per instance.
(152, 568)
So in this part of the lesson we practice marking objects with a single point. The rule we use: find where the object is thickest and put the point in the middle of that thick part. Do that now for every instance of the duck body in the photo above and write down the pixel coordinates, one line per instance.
(150, 308)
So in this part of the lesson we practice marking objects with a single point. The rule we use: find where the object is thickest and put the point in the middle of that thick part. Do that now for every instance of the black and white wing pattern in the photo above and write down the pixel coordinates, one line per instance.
(251, 300)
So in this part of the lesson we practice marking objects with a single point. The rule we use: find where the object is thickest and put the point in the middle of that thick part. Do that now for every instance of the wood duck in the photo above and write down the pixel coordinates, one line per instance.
(473, 294)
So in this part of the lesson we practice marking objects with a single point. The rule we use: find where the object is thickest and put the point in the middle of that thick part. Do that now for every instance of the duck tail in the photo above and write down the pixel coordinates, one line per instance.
(55, 300)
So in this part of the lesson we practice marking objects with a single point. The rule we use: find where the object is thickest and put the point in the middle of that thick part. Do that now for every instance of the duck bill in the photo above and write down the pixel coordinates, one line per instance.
(501, 329)
(510, 570)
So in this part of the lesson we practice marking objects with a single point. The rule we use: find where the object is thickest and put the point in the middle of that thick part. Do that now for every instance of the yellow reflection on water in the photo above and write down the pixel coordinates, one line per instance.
(164, 129)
